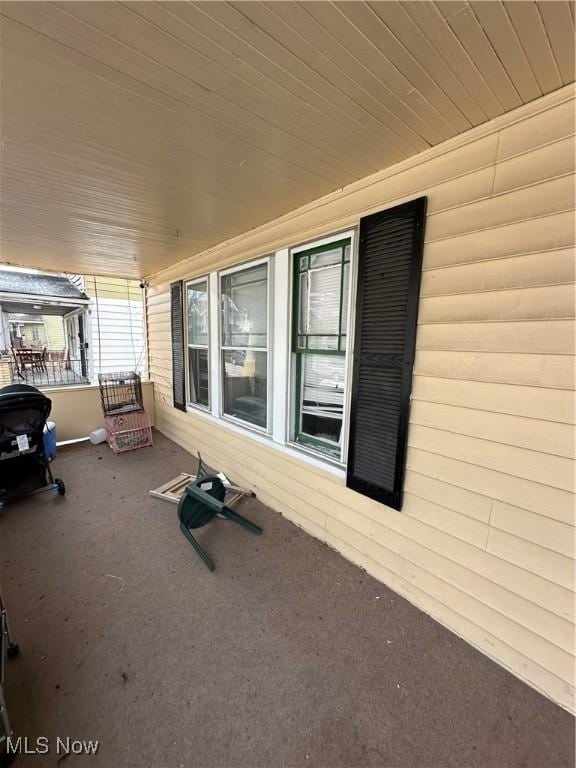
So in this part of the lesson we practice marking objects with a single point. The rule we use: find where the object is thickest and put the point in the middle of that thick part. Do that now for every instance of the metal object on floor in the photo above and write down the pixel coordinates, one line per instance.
(127, 424)
(120, 393)
(24, 465)
(8, 649)
(201, 501)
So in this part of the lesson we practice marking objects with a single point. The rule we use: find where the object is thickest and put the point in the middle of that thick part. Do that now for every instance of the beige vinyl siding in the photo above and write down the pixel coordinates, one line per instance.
(54, 332)
(34, 333)
(484, 542)
(112, 288)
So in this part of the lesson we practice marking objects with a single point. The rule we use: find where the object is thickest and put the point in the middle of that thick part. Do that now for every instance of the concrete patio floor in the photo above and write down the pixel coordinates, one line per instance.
(287, 655)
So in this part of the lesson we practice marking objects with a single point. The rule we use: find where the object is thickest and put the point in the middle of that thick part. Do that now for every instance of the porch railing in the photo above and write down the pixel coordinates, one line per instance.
(48, 369)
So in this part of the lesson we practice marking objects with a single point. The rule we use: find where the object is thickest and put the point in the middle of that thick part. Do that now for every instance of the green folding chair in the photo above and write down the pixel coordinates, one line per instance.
(201, 501)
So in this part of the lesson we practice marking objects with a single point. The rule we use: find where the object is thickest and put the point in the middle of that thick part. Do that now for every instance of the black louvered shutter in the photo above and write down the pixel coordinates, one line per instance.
(177, 318)
(389, 269)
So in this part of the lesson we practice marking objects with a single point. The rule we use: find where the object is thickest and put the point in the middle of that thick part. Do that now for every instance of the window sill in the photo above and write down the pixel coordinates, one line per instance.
(324, 459)
(197, 408)
(244, 426)
(292, 450)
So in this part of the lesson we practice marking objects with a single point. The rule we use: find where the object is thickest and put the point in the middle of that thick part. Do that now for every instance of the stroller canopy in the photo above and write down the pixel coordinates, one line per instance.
(23, 411)
(24, 464)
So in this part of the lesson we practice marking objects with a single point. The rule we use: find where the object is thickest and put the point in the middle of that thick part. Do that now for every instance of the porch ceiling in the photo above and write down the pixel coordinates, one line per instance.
(137, 135)
(40, 307)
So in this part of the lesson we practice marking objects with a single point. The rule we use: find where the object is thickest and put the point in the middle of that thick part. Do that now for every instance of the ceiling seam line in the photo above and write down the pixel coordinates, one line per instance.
(363, 66)
(394, 66)
(441, 58)
(422, 69)
(323, 77)
(271, 80)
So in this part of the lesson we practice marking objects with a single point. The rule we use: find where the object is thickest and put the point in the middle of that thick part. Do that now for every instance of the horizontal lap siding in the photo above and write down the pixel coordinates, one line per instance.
(117, 318)
(55, 339)
(484, 542)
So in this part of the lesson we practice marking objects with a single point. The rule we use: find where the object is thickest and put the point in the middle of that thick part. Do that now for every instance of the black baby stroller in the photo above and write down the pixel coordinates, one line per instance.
(24, 465)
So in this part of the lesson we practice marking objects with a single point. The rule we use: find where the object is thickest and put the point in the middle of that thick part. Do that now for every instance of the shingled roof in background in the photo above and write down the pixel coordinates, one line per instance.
(39, 285)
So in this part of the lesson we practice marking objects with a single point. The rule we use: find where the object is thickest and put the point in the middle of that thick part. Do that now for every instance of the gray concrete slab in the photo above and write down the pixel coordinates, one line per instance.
(288, 655)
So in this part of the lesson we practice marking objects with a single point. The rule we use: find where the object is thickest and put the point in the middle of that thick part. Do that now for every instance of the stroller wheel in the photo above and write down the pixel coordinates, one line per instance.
(60, 487)
(12, 650)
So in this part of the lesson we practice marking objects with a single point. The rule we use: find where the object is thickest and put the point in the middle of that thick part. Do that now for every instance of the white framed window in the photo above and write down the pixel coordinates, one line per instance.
(244, 344)
(317, 360)
(269, 352)
(322, 277)
(197, 329)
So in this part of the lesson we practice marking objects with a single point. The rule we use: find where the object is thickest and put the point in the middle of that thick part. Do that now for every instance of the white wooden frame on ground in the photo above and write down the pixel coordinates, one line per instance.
(172, 490)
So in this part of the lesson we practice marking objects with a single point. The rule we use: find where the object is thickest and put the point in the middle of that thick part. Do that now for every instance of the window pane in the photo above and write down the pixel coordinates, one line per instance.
(198, 376)
(245, 385)
(245, 308)
(322, 342)
(322, 396)
(327, 257)
(323, 300)
(198, 313)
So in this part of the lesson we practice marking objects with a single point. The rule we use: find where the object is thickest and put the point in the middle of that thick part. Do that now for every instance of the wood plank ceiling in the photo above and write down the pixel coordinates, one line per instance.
(137, 134)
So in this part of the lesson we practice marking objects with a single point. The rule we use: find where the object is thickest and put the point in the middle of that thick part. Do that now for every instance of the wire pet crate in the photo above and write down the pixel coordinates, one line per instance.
(129, 431)
(120, 392)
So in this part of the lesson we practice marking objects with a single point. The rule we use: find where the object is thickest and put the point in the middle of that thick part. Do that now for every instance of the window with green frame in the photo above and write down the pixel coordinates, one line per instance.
(320, 316)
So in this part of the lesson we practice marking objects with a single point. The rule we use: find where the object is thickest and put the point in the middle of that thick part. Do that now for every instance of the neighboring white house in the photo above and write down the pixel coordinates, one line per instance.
(114, 324)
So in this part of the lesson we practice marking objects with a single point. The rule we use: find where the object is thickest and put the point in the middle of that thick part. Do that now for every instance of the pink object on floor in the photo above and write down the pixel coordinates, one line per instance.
(128, 431)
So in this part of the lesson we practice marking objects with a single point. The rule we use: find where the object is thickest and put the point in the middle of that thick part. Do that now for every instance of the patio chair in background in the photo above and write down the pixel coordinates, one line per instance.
(19, 372)
(41, 361)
